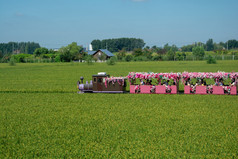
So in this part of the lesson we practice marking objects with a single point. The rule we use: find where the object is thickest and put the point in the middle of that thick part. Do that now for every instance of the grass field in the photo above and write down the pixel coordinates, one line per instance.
(41, 115)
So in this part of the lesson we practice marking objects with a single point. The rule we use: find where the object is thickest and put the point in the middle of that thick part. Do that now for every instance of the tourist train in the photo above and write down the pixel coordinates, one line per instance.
(163, 83)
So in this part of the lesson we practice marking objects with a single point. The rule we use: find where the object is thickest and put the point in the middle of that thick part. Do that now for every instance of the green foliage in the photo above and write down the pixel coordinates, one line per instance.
(121, 54)
(174, 48)
(96, 44)
(71, 52)
(21, 58)
(15, 47)
(209, 45)
(211, 60)
(187, 48)
(198, 52)
(140, 58)
(137, 52)
(57, 58)
(147, 53)
(171, 54)
(128, 58)
(5, 58)
(89, 60)
(115, 45)
(232, 44)
(157, 58)
(111, 61)
(95, 59)
(180, 56)
(12, 61)
(41, 51)
(1, 54)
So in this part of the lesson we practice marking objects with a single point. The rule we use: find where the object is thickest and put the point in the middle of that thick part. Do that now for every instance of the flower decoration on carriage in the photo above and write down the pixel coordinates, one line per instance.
(220, 75)
(113, 80)
(151, 75)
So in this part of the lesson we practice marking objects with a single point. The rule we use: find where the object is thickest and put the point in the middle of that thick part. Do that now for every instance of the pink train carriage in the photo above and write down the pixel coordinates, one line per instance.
(218, 86)
(163, 83)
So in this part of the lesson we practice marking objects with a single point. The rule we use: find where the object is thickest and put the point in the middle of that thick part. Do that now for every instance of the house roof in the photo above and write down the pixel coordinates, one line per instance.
(108, 53)
(91, 52)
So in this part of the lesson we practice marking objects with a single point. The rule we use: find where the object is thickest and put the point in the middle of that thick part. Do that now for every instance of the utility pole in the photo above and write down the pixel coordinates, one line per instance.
(12, 48)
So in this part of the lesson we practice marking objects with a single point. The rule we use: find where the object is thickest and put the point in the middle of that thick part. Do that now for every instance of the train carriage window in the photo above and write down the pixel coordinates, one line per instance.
(99, 80)
(94, 79)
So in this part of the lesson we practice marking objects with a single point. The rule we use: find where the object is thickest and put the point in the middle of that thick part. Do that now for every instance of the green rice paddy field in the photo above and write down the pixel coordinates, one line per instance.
(42, 116)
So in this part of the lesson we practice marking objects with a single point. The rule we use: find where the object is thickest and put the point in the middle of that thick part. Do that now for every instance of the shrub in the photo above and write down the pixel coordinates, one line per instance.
(157, 58)
(141, 58)
(128, 58)
(111, 61)
(57, 58)
(89, 60)
(12, 61)
(211, 60)
(137, 52)
(95, 59)
(180, 56)
(21, 58)
(5, 58)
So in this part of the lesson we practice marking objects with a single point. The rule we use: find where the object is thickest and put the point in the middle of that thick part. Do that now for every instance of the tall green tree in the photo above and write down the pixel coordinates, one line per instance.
(15, 47)
(167, 47)
(232, 44)
(171, 54)
(40, 51)
(114, 45)
(71, 52)
(96, 44)
(209, 45)
(199, 52)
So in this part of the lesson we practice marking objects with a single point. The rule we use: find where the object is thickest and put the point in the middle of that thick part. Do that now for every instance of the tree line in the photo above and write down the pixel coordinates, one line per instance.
(115, 45)
(212, 46)
(18, 47)
(32, 52)
(67, 53)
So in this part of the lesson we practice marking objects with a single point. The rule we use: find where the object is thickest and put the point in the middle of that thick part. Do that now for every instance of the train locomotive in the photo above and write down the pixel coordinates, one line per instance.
(102, 83)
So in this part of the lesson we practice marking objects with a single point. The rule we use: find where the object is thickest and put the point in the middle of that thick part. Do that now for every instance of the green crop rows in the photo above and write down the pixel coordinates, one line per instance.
(41, 115)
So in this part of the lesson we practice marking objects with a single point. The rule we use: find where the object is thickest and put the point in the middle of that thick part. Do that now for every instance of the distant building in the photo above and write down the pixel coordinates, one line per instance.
(16, 52)
(97, 54)
(90, 47)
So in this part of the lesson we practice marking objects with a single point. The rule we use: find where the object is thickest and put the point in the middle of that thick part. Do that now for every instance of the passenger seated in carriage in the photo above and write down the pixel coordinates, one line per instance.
(193, 87)
(152, 90)
(233, 82)
(203, 82)
(219, 82)
(166, 83)
(159, 81)
(141, 82)
(148, 82)
(187, 82)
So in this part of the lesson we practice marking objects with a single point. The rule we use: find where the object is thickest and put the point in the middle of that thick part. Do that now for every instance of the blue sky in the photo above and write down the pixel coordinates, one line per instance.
(56, 23)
